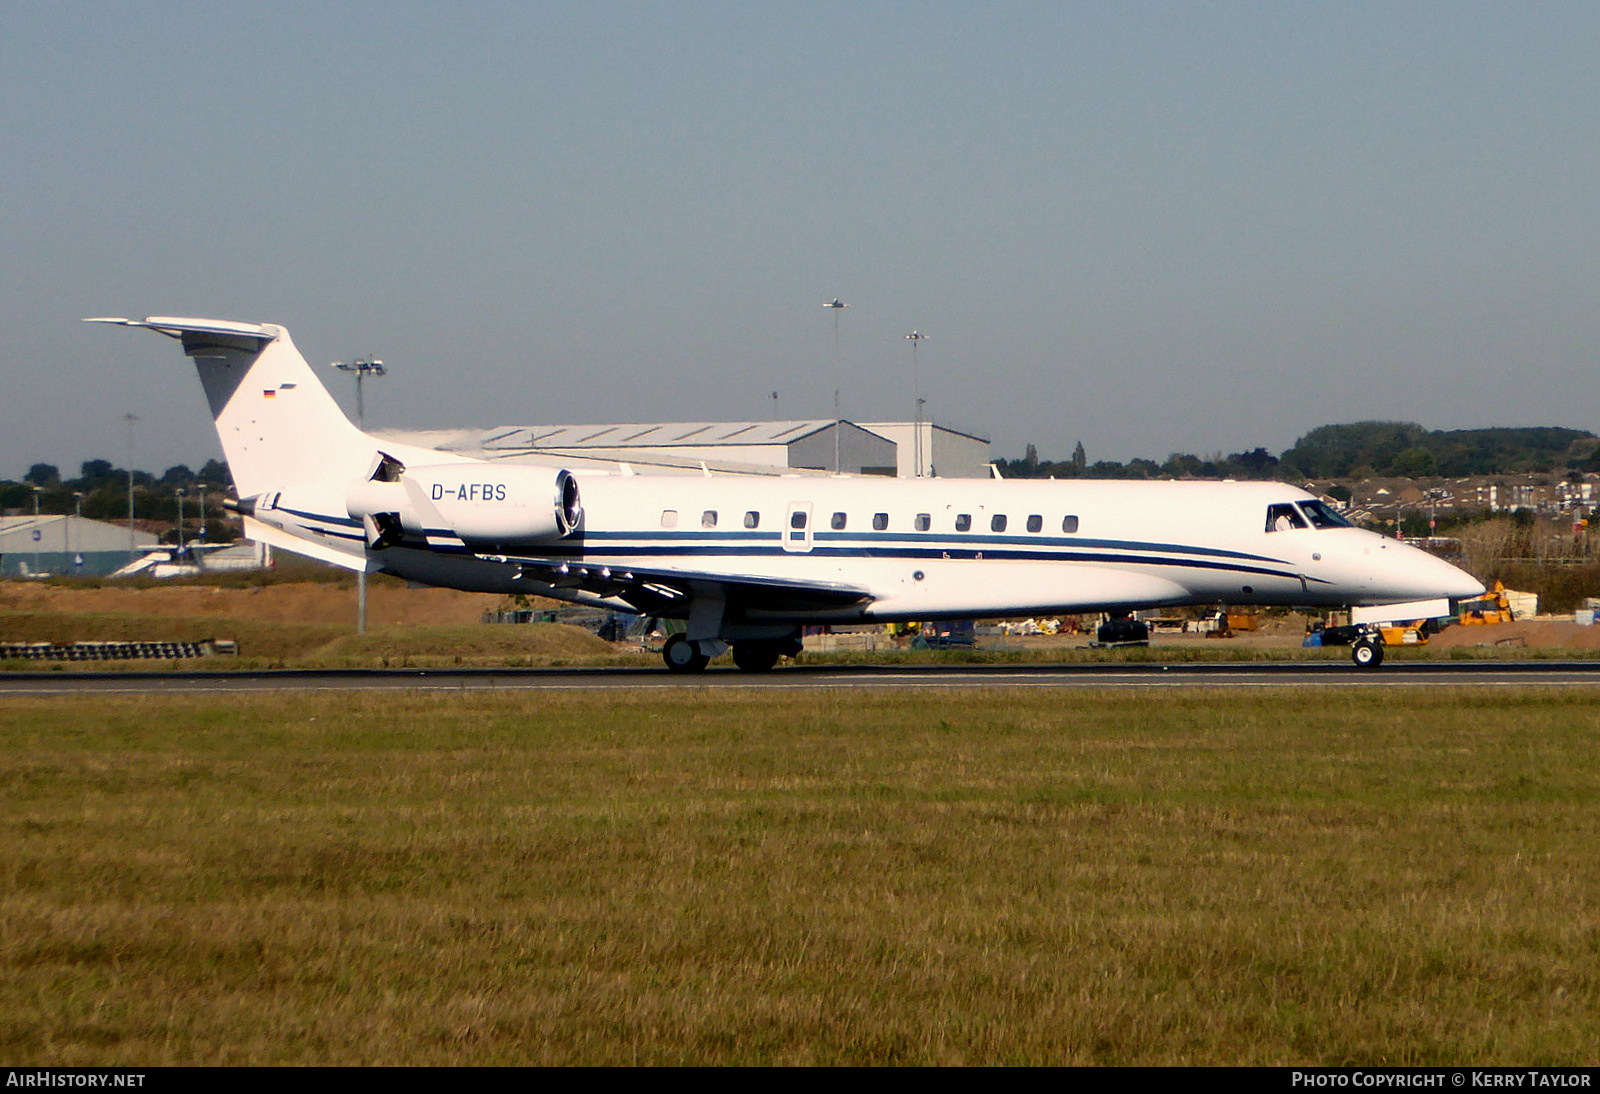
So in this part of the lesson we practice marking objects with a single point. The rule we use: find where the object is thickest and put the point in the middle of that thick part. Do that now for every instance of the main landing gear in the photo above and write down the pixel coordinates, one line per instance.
(751, 655)
(682, 655)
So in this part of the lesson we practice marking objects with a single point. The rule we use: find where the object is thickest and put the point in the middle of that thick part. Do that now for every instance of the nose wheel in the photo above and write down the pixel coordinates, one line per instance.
(1367, 653)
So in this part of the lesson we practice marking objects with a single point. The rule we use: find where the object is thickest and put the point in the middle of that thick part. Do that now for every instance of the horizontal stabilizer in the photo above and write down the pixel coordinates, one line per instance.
(276, 537)
(175, 327)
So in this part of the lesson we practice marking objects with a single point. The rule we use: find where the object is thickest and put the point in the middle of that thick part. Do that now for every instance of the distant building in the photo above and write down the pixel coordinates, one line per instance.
(66, 545)
(773, 447)
(947, 452)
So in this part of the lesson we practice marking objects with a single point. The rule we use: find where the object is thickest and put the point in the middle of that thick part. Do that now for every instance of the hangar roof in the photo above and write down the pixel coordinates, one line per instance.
(651, 434)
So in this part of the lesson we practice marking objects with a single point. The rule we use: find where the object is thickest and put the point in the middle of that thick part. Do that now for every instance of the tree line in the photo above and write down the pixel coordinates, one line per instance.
(102, 489)
(1355, 450)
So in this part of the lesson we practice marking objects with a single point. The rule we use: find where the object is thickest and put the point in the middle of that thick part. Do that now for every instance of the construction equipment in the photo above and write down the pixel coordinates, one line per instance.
(1493, 607)
(1412, 633)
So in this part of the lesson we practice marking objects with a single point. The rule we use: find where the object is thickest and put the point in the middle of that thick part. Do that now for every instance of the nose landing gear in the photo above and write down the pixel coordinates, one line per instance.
(1367, 651)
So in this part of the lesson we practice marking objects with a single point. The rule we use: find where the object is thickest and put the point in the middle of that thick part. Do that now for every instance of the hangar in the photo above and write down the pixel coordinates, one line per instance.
(947, 452)
(66, 545)
(774, 447)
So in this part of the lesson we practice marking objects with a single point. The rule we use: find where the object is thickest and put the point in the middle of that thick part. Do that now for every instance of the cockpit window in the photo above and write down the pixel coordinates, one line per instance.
(1281, 518)
(1321, 515)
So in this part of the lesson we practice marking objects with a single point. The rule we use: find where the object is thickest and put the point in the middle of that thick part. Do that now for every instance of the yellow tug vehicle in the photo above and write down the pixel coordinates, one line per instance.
(1493, 607)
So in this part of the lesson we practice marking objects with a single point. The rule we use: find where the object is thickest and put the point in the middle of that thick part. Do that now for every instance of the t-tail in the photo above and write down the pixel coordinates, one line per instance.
(308, 481)
(286, 441)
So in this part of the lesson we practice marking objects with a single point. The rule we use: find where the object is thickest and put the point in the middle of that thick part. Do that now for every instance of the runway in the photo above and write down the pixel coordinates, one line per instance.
(1267, 674)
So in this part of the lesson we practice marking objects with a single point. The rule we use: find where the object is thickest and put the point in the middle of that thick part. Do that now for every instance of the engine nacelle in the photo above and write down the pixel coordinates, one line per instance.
(497, 503)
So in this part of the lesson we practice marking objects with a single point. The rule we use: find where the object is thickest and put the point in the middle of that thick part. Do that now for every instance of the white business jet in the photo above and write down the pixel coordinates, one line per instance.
(747, 559)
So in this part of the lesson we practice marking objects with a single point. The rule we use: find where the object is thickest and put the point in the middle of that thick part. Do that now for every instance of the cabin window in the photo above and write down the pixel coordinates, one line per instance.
(708, 519)
(1069, 524)
(837, 523)
(1322, 516)
(797, 519)
(880, 521)
(923, 522)
(963, 522)
(669, 518)
(997, 523)
(1281, 518)
(752, 519)
(1035, 522)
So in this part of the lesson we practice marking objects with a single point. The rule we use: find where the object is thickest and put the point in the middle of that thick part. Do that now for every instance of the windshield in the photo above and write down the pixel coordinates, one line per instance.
(1281, 518)
(1323, 516)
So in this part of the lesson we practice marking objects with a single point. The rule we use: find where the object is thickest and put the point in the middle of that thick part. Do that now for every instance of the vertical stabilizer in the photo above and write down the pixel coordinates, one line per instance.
(278, 425)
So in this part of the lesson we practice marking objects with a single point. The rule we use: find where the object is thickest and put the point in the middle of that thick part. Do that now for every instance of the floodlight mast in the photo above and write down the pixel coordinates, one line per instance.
(371, 366)
(837, 306)
(130, 418)
(38, 533)
(916, 391)
(362, 368)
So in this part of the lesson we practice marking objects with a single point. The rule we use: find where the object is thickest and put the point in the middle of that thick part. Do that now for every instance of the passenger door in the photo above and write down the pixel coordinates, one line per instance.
(797, 528)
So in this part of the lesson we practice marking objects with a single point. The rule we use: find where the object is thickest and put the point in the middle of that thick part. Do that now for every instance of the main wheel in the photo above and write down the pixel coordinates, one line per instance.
(1367, 654)
(755, 656)
(682, 655)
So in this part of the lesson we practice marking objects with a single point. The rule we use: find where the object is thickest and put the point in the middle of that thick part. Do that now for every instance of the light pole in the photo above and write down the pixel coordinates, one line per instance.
(130, 419)
(916, 392)
(38, 531)
(179, 492)
(371, 366)
(77, 503)
(836, 306)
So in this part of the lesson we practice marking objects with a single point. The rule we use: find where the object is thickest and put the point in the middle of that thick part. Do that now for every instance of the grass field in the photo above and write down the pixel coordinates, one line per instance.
(991, 877)
(310, 624)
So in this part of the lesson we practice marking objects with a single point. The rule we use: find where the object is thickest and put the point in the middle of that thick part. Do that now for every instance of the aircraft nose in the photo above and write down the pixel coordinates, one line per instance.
(1448, 580)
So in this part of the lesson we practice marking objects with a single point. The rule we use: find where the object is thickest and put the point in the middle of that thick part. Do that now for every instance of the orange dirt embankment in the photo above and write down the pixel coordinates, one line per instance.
(1548, 634)
(308, 602)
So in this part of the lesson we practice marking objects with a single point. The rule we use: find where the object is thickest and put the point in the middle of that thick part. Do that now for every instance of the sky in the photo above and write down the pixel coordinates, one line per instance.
(1147, 227)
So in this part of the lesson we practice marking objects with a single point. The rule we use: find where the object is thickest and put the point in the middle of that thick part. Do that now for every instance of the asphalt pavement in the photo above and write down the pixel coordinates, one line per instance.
(1100, 675)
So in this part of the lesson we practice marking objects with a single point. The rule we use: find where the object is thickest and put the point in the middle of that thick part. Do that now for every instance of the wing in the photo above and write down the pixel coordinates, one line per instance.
(663, 592)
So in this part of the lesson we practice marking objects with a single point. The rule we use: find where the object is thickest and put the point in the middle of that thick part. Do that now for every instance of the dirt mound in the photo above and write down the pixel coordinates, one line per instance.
(1562, 634)
(307, 602)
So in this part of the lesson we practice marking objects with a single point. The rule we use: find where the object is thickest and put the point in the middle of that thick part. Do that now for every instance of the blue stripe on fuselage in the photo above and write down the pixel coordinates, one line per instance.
(610, 553)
